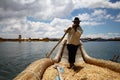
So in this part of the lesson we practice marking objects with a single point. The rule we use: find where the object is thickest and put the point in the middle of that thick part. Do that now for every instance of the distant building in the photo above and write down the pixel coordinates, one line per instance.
(1, 39)
(20, 37)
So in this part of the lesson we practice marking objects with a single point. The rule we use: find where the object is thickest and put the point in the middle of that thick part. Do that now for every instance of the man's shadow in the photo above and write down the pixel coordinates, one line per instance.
(77, 68)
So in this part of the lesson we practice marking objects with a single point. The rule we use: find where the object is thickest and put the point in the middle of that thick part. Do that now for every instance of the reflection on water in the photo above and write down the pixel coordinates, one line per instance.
(15, 56)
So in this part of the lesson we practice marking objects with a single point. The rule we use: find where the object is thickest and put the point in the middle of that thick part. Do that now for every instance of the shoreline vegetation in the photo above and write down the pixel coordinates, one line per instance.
(56, 39)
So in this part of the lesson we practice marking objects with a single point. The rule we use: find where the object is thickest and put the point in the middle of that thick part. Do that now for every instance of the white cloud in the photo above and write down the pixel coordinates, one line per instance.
(114, 34)
(25, 1)
(36, 29)
(49, 9)
(13, 15)
(102, 35)
(117, 19)
(95, 18)
(99, 12)
(99, 15)
(60, 22)
(12, 25)
(84, 16)
(108, 16)
(90, 23)
(96, 4)
(55, 28)
(96, 35)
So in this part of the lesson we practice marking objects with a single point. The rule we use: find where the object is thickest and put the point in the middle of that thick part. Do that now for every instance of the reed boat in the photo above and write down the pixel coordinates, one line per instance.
(87, 68)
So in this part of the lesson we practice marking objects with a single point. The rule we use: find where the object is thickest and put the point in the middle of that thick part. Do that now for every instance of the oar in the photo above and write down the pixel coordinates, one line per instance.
(48, 55)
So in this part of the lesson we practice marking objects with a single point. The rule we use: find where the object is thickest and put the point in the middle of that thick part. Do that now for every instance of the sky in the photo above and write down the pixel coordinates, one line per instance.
(49, 18)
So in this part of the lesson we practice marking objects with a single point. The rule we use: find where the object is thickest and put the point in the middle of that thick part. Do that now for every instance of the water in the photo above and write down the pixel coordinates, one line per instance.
(15, 56)
(103, 50)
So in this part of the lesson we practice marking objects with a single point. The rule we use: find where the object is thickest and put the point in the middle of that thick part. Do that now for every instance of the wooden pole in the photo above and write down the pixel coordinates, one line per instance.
(48, 55)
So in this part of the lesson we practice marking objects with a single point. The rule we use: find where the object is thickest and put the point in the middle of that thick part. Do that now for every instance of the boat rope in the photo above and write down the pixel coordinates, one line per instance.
(35, 74)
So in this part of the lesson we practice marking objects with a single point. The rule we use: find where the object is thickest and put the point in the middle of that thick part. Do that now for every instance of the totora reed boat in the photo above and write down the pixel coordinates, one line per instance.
(86, 67)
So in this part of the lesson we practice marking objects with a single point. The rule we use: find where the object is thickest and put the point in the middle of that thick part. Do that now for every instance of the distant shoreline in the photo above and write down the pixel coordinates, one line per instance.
(57, 39)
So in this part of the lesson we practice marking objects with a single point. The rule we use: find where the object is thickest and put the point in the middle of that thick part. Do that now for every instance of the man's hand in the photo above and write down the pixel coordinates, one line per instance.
(68, 29)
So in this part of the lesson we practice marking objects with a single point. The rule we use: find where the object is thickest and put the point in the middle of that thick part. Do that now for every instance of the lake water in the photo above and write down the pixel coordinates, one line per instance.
(15, 56)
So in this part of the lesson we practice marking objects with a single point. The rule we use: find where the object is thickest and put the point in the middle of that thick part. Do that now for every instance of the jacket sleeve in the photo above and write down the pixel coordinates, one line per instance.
(81, 30)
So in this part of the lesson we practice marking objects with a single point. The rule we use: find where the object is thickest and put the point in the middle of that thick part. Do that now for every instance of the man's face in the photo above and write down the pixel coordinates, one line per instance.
(76, 22)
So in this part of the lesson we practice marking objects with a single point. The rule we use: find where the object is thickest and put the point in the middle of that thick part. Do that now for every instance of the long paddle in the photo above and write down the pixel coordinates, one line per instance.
(48, 55)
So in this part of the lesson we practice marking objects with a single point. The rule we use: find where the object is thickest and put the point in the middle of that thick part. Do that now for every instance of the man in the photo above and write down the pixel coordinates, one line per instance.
(73, 40)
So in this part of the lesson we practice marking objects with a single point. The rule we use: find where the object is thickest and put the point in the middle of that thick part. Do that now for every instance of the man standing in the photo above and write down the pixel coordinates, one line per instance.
(73, 40)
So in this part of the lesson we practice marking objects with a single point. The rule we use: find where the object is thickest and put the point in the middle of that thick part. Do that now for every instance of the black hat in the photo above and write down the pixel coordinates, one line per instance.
(76, 19)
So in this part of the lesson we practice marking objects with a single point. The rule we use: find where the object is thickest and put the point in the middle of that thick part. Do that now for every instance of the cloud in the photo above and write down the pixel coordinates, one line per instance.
(55, 28)
(95, 18)
(100, 15)
(96, 35)
(99, 12)
(13, 14)
(48, 9)
(102, 35)
(42, 9)
(35, 29)
(114, 34)
(117, 19)
(90, 23)
(25, 1)
(96, 4)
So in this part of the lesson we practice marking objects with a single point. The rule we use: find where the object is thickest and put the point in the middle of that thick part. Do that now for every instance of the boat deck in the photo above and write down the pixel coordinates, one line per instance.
(82, 70)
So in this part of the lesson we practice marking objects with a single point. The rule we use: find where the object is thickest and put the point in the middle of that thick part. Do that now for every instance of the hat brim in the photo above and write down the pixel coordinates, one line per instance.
(76, 21)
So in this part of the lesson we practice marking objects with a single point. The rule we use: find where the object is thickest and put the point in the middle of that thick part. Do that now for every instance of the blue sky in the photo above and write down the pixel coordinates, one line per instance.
(49, 18)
